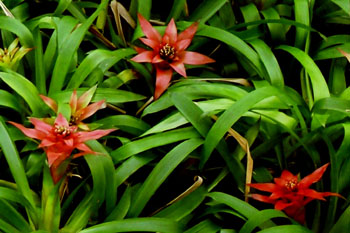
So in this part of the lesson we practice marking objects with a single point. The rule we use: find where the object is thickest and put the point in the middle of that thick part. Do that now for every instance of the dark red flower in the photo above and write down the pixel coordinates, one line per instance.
(59, 140)
(168, 52)
(291, 195)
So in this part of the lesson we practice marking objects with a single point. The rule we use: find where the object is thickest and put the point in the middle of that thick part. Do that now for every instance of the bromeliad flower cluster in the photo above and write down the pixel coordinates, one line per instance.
(290, 195)
(168, 52)
(63, 137)
(11, 56)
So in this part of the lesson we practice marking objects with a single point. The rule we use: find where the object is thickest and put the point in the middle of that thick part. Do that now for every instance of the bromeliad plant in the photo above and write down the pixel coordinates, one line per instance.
(168, 52)
(11, 56)
(291, 195)
(276, 100)
(60, 139)
(79, 107)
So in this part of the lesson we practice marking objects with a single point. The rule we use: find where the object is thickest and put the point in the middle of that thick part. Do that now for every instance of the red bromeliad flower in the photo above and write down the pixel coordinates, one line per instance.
(59, 140)
(290, 195)
(168, 52)
(80, 108)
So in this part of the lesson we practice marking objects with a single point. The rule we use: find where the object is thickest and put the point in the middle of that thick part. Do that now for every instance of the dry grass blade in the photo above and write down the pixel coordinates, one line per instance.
(116, 108)
(145, 105)
(93, 29)
(125, 14)
(241, 81)
(197, 183)
(245, 146)
(6, 11)
(347, 55)
(115, 9)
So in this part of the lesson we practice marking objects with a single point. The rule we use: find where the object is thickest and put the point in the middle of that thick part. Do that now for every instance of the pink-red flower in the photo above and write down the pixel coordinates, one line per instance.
(80, 108)
(59, 140)
(291, 195)
(168, 52)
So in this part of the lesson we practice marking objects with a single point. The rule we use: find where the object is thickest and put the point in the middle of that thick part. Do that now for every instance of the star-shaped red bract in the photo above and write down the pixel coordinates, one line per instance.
(59, 140)
(80, 107)
(291, 195)
(168, 52)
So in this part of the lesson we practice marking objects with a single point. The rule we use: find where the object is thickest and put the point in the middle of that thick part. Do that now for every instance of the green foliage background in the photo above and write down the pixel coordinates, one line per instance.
(279, 80)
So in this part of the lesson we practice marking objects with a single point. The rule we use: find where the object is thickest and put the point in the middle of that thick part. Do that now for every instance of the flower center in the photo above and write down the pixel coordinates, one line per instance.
(167, 52)
(74, 119)
(291, 185)
(63, 130)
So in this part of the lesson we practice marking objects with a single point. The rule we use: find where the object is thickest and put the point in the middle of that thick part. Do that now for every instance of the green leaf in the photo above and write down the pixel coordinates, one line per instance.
(13, 217)
(25, 89)
(176, 119)
(176, 10)
(232, 114)
(286, 229)
(62, 6)
(332, 104)
(93, 60)
(343, 4)
(250, 14)
(40, 79)
(301, 11)
(126, 123)
(270, 62)
(161, 171)
(15, 26)
(150, 142)
(342, 225)
(68, 49)
(206, 226)
(136, 224)
(184, 207)
(102, 168)
(319, 85)
(238, 205)
(332, 52)
(195, 90)
(110, 95)
(120, 210)
(50, 209)
(259, 218)
(7, 228)
(192, 113)
(15, 164)
(144, 8)
(96, 165)
(337, 80)
(131, 165)
(206, 10)
(235, 42)
(10, 101)
(277, 31)
(343, 160)
(81, 215)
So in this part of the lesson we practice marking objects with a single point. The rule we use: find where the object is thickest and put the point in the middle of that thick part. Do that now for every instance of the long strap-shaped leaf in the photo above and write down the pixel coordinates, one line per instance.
(152, 141)
(15, 26)
(15, 163)
(235, 42)
(26, 89)
(286, 229)
(161, 172)
(67, 51)
(319, 84)
(136, 224)
(232, 114)
(259, 218)
(92, 61)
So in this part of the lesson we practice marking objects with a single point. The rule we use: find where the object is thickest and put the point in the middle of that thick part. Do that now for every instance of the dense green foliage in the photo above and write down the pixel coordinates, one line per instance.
(276, 95)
